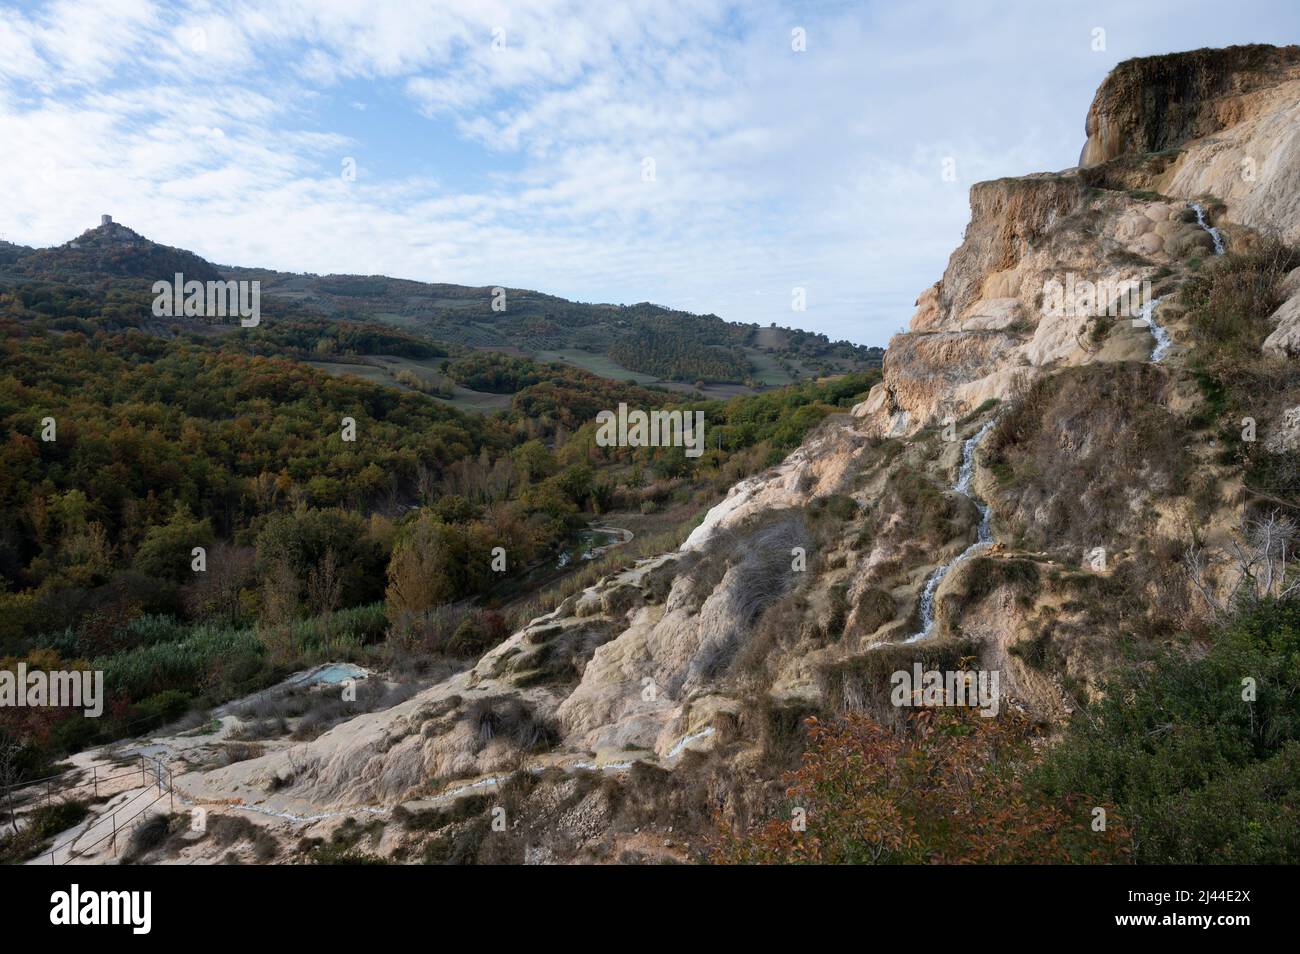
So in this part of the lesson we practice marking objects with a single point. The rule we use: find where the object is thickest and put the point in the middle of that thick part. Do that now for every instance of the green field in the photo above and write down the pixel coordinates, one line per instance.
(383, 368)
(600, 364)
(468, 400)
(767, 370)
(367, 372)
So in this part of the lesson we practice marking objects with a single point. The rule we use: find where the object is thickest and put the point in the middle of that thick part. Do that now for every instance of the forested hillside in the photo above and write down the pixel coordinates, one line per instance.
(171, 434)
(615, 340)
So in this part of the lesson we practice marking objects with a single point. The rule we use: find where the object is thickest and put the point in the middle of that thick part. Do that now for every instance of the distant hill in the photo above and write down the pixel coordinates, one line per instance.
(111, 251)
(10, 253)
(643, 342)
(613, 339)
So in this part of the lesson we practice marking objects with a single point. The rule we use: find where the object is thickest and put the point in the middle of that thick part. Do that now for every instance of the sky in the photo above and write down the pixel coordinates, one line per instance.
(704, 155)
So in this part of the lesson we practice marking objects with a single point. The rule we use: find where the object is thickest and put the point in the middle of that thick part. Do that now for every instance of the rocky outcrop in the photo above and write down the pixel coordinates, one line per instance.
(1217, 126)
(1161, 102)
(1009, 219)
(989, 327)
(1229, 120)
(1284, 340)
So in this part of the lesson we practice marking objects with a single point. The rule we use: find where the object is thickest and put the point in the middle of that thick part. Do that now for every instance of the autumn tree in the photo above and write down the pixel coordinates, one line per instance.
(418, 571)
(216, 595)
(947, 788)
(324, 585)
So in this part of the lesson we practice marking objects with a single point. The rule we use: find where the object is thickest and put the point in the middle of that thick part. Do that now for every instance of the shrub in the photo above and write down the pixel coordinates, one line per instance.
(227, 830)
(342, 848)
(42, 825)
(1228, 306)
(147, 835)
(1200, 774)
(950, 790)
(1076, 451)
(1228, 310)
(511, 718)
(860, 684)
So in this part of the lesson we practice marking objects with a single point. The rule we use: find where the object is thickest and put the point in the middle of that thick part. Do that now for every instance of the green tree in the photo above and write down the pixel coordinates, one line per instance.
(534, 461)
(166, 553)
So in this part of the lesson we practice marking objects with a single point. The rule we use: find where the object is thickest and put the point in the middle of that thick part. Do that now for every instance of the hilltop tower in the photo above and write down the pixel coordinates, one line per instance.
(105, 220)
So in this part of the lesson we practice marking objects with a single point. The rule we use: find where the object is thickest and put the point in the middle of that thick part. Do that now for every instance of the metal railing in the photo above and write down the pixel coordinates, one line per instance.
(155, 779)
(117, 823)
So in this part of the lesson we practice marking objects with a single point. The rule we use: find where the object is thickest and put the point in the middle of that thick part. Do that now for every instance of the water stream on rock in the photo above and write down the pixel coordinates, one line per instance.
(983, 538)
(1148, 313)
(1148, 317)
(1214, 233)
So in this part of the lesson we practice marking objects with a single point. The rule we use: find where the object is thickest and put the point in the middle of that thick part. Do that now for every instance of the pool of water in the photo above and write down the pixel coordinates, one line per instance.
(584, 546)
(331, 674)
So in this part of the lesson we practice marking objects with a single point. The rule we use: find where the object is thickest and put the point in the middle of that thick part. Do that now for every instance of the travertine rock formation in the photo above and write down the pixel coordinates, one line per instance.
(1221, 126)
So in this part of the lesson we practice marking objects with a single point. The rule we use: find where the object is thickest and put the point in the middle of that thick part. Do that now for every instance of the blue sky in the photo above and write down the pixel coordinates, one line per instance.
(503, 143)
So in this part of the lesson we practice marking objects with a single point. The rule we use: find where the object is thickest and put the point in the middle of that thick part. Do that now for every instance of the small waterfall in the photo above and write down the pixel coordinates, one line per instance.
(1148, 313)
(983, 537)
(1214, 233)
(1163, 341)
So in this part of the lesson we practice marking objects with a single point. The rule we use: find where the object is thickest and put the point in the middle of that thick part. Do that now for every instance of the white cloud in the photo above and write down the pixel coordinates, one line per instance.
(221, 127)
